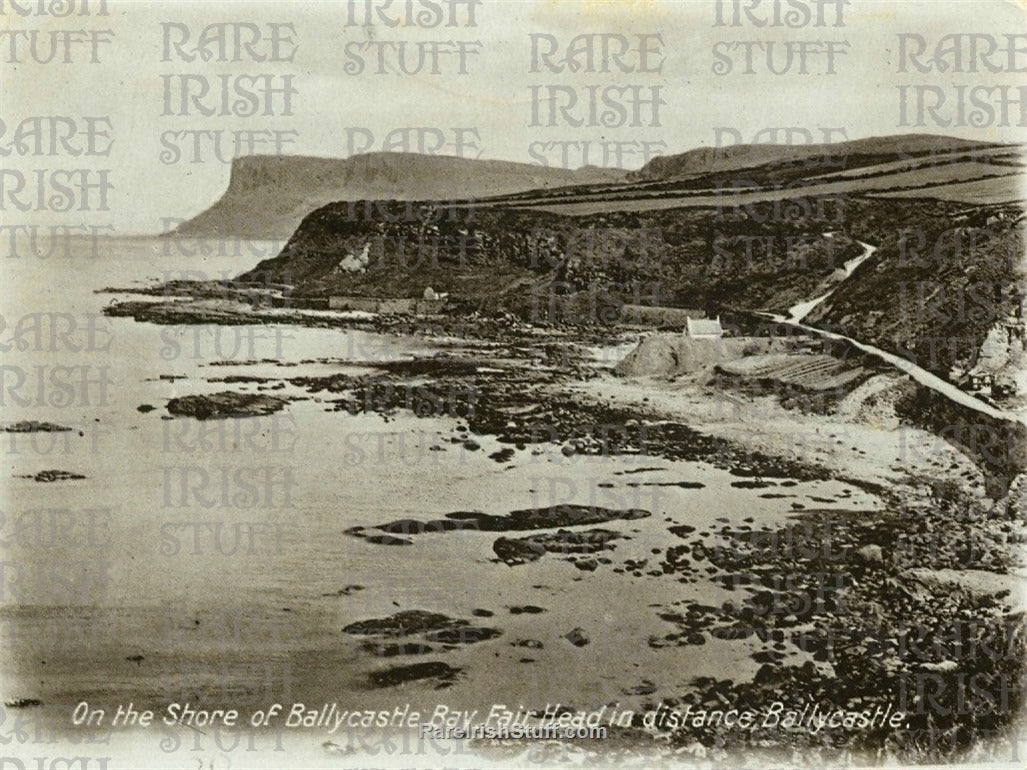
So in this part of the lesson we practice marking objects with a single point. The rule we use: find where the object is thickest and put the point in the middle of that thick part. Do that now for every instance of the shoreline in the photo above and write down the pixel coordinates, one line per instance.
(932, 549)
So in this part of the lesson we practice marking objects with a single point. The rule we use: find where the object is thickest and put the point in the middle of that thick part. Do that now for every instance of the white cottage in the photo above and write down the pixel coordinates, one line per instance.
(704, 328)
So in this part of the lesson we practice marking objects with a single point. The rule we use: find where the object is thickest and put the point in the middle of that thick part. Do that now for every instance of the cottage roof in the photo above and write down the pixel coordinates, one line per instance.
(704, 327)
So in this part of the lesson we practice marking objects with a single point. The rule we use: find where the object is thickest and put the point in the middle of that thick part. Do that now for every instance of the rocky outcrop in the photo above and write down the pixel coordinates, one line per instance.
(669, 355)
(525, 519)
(522, 550)
(225, 404)
(1016, 499)
(403, 624)
(441, 673)
(46, 477)
(415, 629)
(563, 269)
(34, 426)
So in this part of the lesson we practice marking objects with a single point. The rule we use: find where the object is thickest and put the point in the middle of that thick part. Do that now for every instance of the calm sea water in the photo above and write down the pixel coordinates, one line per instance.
(207, 562)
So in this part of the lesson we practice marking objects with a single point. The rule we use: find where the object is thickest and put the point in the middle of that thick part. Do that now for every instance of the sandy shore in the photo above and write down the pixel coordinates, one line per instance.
(874, 453)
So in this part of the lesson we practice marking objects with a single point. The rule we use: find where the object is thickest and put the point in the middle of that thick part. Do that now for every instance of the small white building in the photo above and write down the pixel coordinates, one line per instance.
(704, 328)
(430, 295)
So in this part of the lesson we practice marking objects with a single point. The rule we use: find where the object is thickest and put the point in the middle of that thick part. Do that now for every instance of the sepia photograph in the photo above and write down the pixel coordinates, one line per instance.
(513, 384)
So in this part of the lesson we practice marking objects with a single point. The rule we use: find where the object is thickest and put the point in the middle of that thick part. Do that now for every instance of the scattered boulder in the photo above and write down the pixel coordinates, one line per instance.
(22, 703)
(464, 635)
(384, 649)
(502, 455)
(346, 590)
(577, 637)
(527, 609)
(404, 623)
(33, 426)
(46, 477)
(443, 673)
(388, 540)
(1016, 498)
(435, 627)
(516, 551)
(646, 687)
(531, 644)
(735, 632)
(682, 530)
(871, 554)
(770, 674)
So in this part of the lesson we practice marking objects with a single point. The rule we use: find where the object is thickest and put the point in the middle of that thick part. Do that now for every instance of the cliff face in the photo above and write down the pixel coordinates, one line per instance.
(946, 218)
(396, 249)
(268, 196)
(942, 277)
(557, 267)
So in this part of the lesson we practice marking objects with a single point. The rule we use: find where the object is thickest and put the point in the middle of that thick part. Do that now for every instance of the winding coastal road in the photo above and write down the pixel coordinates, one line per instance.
(797, 312)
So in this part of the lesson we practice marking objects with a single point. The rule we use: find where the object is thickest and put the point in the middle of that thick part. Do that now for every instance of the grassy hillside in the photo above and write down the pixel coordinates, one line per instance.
(805, 157)
(947, 217)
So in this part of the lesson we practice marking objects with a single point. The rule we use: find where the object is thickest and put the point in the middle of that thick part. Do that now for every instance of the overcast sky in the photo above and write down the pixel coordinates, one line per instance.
(494, 98)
